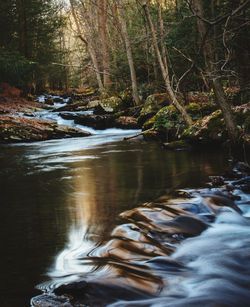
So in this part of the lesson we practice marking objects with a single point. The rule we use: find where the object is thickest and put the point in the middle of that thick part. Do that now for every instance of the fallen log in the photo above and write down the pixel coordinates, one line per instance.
(136, 135)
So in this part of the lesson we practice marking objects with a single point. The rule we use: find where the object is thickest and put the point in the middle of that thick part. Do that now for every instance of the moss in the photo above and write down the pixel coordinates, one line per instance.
(149, 123)
(154, 103)
(209, 129)
(193, 108)
(197, 111)
(127, 98)
(112, 102)
(168, 117)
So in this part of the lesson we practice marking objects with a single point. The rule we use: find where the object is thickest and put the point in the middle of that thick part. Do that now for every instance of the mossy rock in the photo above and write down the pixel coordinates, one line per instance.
(149, 123)
(127, 98)
(197, 111)
(168, 118)
(152, 105)
(113, 102)
(210, 129)
(169, 122)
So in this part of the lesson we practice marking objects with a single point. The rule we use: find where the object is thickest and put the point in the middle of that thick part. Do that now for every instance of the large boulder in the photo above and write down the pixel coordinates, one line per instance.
(99, 122)
(169, 124)
(152, 105)
(211, 129)
(126, 122)
(112, 103)
(100, 109)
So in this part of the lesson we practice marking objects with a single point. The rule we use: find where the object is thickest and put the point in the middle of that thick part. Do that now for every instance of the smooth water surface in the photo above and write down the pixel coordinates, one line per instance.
(60, 197)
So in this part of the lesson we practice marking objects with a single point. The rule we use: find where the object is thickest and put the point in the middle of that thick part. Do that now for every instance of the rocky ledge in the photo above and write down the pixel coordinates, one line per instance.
(19, 129)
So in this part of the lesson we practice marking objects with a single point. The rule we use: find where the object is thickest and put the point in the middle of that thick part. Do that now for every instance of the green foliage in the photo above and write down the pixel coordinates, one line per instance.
(14, 68)
(29, 40)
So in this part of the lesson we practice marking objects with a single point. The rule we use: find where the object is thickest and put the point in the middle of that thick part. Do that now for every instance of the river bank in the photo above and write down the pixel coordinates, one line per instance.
(51, 116)
(23, 120)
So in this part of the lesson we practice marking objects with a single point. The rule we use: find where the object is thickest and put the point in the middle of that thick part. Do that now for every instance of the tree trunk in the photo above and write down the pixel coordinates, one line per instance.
(161, 33)
(102, 23)
(164, 69)
(242, 50)
(23, 31)
(91, 51)
(211, 70)
(126, 39)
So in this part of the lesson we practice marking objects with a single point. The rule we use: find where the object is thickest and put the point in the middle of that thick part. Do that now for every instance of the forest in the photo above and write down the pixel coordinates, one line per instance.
(124, 152)
(194, 53)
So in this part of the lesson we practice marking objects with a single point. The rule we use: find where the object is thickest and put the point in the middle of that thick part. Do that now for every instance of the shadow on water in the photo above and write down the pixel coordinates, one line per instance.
(60, 198)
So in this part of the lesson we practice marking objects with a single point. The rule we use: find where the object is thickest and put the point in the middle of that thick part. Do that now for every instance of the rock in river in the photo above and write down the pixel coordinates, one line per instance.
(16, 129)
(99, 122)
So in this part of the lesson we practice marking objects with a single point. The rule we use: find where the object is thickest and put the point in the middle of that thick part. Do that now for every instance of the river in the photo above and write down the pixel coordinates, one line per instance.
(60, 198)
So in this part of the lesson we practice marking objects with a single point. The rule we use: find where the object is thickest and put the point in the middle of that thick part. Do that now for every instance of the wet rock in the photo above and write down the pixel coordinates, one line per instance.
(99, 293)
(13, 105)
(69, 115)
(102, 110)
(17, 129)
(216, 201)
(29, 114)
(50, 300)
(217, 181)
(126, 122)
(144, 261)
(133, 111)
(58, 99)
(242, 168)
(99, 122)
(49, 101)
(242, 184)
(73, 107)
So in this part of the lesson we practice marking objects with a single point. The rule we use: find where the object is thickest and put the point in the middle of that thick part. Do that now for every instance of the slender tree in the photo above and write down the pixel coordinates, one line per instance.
(212, 71)
(164, 68)
(124, 32)
(102, 23)
(85, 36)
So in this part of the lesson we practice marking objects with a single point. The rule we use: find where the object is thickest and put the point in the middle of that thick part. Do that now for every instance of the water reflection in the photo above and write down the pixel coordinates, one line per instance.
(119, 176)
(62, 197)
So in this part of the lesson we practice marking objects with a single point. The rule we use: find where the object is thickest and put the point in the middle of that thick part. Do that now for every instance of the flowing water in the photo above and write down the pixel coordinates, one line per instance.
(61, 198)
